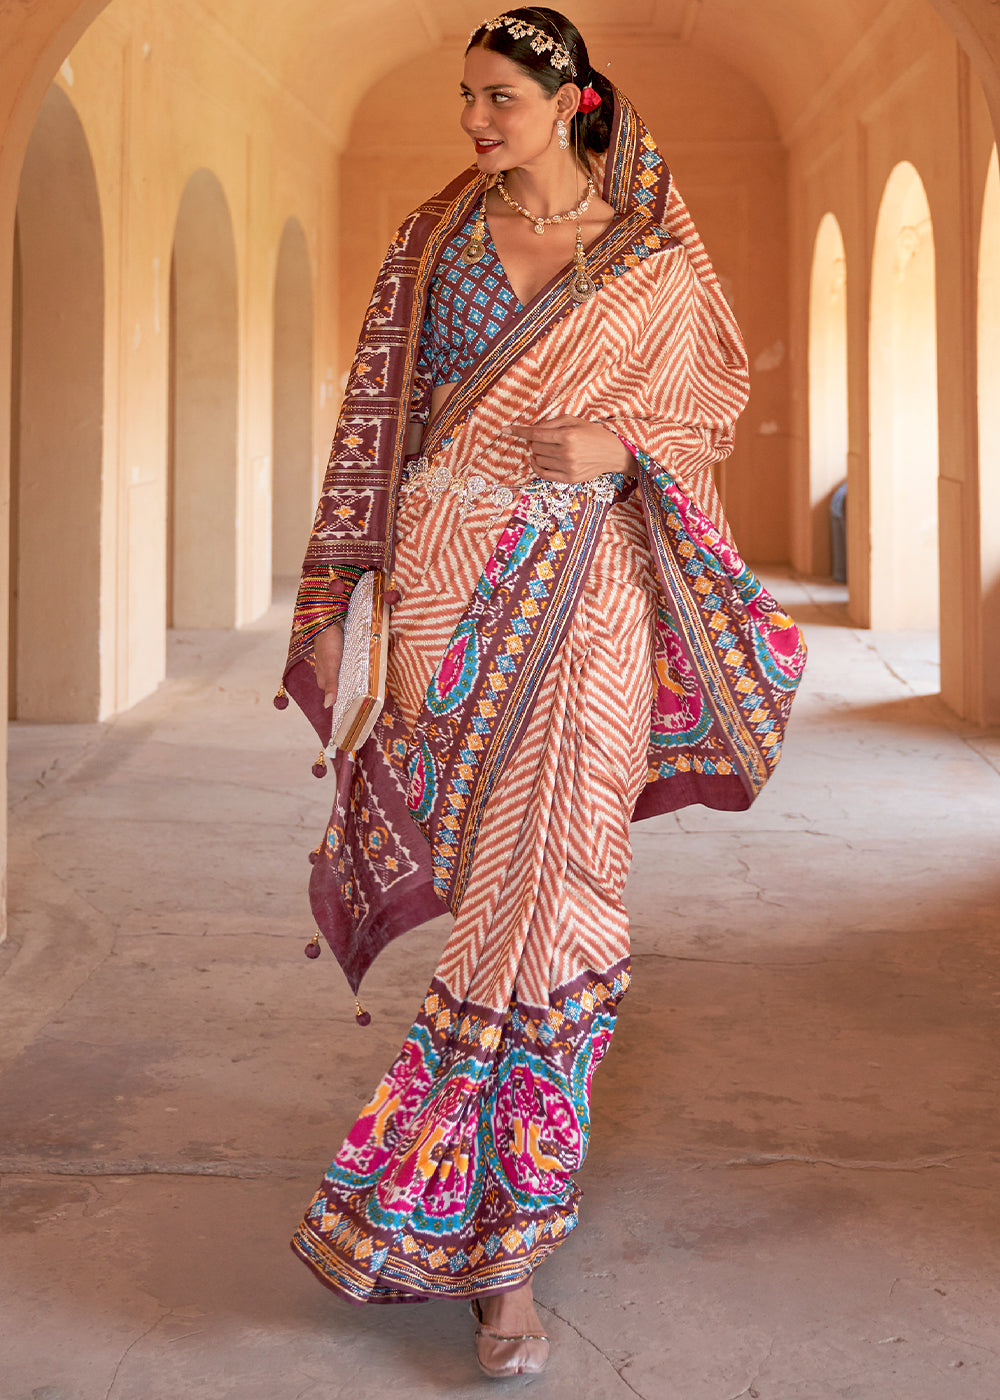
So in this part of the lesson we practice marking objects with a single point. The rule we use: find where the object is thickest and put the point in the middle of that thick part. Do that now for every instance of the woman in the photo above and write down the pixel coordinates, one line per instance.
(546, 375)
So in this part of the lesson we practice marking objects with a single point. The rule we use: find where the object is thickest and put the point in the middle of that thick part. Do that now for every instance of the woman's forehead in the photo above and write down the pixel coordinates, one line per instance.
(484, 68)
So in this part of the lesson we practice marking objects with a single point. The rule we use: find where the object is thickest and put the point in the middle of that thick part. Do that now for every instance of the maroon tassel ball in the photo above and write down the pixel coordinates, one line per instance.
(281, 699)
(313, 948)
(319, 767)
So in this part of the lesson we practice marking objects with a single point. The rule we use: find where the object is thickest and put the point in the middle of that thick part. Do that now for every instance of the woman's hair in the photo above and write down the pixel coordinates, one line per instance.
(591, 130)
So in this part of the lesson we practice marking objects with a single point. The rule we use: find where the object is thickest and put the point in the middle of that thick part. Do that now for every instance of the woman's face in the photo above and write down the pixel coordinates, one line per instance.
(509, 116)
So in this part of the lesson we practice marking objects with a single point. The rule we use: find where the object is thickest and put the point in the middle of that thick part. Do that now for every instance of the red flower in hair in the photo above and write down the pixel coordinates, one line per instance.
(589, 99)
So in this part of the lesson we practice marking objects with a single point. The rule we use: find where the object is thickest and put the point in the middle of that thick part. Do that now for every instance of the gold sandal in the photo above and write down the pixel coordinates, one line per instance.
(500, 1355)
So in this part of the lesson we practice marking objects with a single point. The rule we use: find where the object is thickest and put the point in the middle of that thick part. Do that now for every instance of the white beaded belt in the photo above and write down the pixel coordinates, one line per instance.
(549, 501)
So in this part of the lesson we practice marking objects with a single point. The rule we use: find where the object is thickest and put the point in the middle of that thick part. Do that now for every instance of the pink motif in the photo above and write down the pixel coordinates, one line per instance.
(451, 666)
(678, 696)
(505, 546)
(541, 1140)
(373, 1138)
(418, 784)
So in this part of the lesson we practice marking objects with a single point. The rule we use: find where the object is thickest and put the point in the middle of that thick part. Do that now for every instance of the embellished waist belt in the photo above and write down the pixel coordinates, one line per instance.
(549, 502)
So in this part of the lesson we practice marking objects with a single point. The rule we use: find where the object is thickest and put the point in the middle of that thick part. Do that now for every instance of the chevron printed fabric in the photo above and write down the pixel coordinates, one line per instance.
(562, 661)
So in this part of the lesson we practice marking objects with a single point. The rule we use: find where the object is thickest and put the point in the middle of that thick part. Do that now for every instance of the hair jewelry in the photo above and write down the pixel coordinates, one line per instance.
(537, 219)
(540, 41)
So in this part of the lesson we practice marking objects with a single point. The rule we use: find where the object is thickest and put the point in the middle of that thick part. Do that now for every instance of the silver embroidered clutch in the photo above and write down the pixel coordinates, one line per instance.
(361, 680)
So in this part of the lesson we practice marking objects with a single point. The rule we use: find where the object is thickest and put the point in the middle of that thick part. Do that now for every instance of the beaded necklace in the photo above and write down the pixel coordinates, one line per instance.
(581, 285)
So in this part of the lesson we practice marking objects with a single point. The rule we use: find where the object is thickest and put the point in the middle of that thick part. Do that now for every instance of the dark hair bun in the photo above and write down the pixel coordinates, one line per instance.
(591, 130)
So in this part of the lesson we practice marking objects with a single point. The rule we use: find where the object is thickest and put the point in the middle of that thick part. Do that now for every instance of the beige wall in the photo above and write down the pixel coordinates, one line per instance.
(57, 403)
(908, 94)
(184, 110)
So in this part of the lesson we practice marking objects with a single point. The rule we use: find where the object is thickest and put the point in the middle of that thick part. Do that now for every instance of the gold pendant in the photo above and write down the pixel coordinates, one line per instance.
(581, 285)
(475, 249)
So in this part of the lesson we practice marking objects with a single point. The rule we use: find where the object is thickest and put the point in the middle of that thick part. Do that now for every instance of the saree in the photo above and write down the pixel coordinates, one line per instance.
(563, 660)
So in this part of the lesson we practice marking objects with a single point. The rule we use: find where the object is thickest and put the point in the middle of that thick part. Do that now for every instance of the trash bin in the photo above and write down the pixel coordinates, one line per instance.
(838, 533)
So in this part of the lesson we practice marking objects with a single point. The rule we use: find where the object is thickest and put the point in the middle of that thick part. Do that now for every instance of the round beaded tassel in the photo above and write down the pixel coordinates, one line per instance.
(281, 699)
(319, 767)
(313, 948)
(362, 1016)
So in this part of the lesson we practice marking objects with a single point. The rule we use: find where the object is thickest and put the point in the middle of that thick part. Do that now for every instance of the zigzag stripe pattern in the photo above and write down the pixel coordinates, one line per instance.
(670, 684)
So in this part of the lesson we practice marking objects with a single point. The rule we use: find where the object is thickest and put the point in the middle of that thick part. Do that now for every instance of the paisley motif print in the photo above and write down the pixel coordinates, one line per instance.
(422, 791)
(457, 671)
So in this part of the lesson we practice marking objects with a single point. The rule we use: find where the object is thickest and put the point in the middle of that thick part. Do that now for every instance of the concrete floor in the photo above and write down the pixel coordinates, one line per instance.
(791, 1193)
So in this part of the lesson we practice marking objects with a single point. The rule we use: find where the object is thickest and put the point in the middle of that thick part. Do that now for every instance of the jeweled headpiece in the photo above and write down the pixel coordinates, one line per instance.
(540, 41)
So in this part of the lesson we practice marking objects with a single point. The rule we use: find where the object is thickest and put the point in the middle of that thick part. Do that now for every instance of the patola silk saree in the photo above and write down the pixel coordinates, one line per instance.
(564, 660)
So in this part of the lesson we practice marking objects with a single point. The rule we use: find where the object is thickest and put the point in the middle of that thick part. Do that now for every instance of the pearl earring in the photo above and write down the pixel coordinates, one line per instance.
(563, 135)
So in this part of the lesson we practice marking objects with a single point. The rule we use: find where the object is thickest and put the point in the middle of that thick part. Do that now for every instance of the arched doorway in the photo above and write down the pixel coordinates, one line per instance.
(203, 447)
(57, 425)
(988, 323)
(904, 420)
(292, 441)
(827, 384)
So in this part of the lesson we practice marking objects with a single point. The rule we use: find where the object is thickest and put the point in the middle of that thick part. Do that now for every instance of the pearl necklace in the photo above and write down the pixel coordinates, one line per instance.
(537, 219)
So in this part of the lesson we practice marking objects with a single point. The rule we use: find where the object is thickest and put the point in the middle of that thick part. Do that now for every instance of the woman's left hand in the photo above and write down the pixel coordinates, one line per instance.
(573, 449)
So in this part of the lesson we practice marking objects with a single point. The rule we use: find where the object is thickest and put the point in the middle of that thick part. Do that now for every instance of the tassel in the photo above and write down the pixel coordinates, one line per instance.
(362, 1016)
(319, 767)
(313, 948)
(281, 699)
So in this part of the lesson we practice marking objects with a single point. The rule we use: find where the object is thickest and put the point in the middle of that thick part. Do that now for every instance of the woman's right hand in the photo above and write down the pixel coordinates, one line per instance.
(328, 648)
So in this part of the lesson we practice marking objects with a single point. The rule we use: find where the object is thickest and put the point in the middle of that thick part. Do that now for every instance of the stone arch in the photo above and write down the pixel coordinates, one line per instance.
(827, 383)
(57, 437)
(903, 409)
(291, 419)
(203, 445)
(988, 335)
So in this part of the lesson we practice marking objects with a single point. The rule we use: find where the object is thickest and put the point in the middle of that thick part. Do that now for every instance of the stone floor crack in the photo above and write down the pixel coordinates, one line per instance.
(750, 1389)
(584, 1338)
(768, 1159)
(134, 1343)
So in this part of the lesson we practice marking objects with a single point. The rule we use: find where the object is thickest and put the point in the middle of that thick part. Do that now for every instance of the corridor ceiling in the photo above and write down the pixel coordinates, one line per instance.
(329, 52)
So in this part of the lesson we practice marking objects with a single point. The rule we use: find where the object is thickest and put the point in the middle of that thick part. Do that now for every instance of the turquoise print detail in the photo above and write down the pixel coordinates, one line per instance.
(457, 670)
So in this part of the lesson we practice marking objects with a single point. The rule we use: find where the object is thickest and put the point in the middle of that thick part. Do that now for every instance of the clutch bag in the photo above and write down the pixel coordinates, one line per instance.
(361, 680)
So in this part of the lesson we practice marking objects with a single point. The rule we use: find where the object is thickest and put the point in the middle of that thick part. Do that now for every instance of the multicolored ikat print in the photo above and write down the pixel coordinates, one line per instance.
(750, 650)
(467, 308)
(480, 696)
(456, 1178)
(727, 661)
